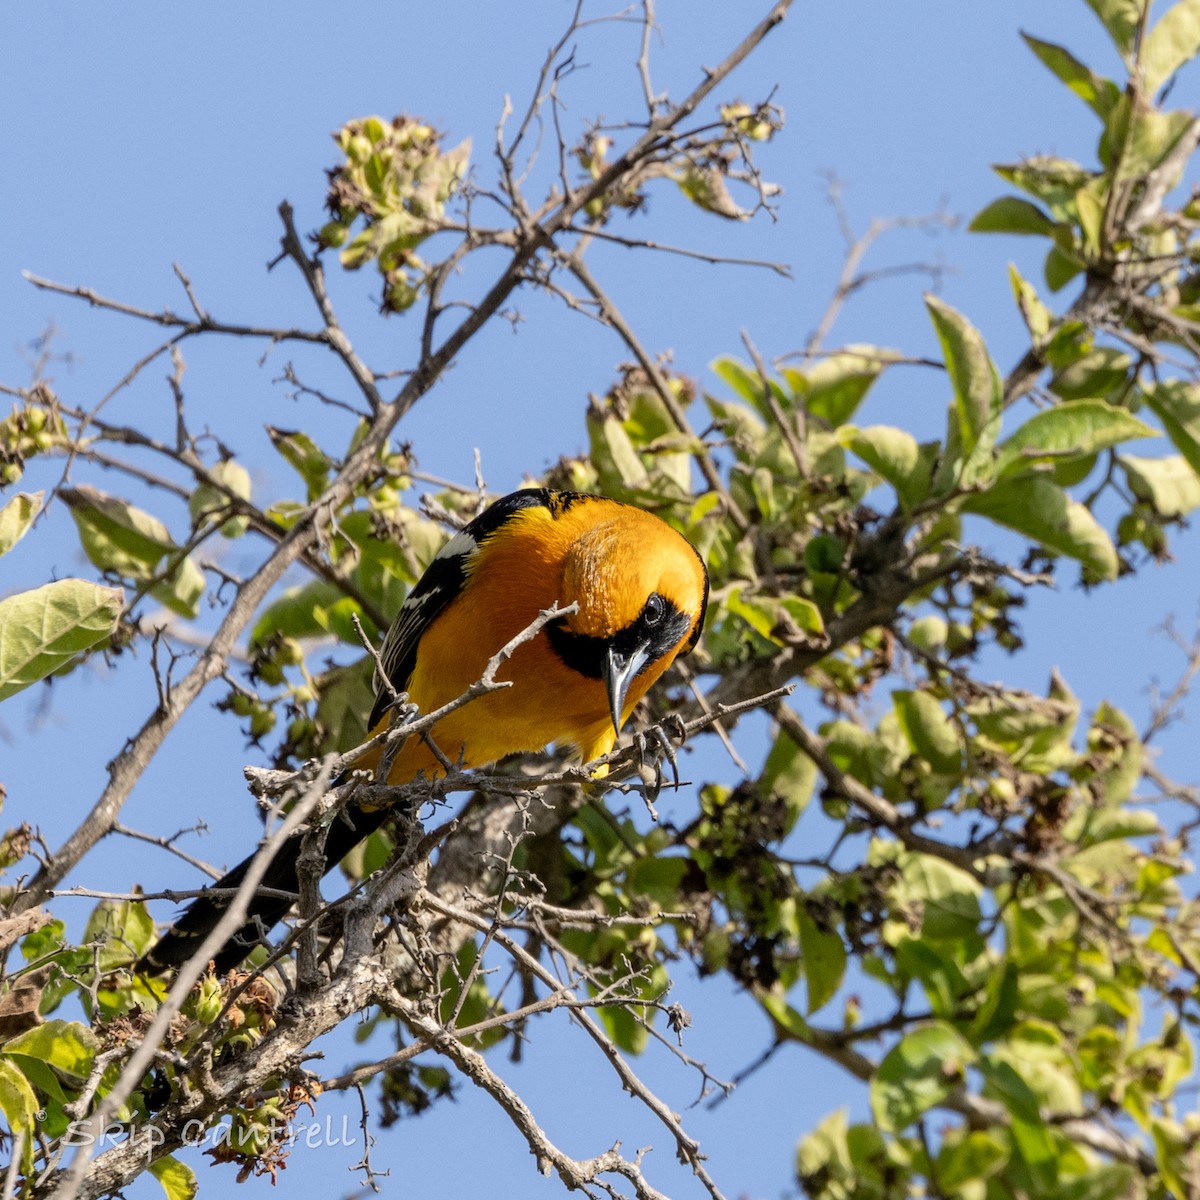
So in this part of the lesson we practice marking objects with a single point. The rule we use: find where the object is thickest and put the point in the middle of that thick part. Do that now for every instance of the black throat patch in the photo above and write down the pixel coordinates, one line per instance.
(586, 654)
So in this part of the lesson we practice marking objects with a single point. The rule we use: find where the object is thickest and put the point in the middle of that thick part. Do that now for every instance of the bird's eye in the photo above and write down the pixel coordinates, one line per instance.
(654, 610)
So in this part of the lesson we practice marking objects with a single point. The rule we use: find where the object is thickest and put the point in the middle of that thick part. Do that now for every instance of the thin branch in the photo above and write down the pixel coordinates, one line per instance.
(188, 326)
(724, 260)
(575, 264)
(653, 100)
(850, 280)
(168, 843)
(576, 1174)
(197, 307)
(877, 808)
(1165, 709)
(688, 1148)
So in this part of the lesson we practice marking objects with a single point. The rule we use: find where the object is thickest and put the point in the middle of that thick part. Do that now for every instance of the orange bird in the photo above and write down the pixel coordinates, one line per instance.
(641, 590)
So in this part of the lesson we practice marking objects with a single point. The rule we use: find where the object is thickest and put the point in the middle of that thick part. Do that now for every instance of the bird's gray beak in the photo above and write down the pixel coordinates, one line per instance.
(619, 671)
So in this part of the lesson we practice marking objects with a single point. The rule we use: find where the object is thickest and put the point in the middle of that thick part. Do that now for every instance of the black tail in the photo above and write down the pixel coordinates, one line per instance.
(183, 939)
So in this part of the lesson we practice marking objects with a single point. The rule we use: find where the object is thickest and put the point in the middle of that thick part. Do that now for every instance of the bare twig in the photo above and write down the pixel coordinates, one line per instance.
(168, 843)
(723, 260)
(793, 435)
(850, 279)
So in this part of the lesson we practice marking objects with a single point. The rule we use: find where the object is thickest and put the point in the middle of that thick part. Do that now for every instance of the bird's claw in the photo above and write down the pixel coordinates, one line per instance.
(652, 746)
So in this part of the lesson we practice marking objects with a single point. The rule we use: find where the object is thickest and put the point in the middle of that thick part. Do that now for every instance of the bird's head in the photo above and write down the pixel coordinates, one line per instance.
(641, 589)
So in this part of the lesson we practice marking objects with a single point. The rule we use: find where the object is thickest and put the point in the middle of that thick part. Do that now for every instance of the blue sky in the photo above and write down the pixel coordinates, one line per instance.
(143, 134)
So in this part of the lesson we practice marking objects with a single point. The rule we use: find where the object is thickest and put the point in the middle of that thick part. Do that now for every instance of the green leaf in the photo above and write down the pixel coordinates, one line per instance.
(345, 703)
(614, 455)
(824, 1154)
(929, 633)
(1098, 93)
(824, 553)
(744, 381)
(1149, 138)
(920, 1071)
(1072, 430)
(1030, 1134)
(477, 1004)
(16, 517)
(946, 896)
(46, 1085)
(302, 612)
(649, 420)
(116, 535)
(787, 1020)
(301, 452)
(1090, 826)
(385, 568)
(1060, 268)
(1072, 471)
(658, 879)
(1041, 510)
(976, 1155)
(788, 777)
(759, 612)
(948, 463)
(930, 732)
(998, 1008)
(67, 1046)
(178, 1180)
(1090, 202)
(833, 388)
(824, 962)
(1115, 738)
(1011, 214)
(1035, 732)
(1169, 485)
(977, 389)
(1120, 18)
(1053, 180)
(1176, 403)
(893, 454)
(1036, 315)
(1174, 1150)
(1173, 41)
(42, 630)
(627, 1024)
(1137, 139)
(359, 251)
(207, 500)
(861, 752)
(804, 613)
(123, 929)
(183, 588)
(18, 1101)
(1037, 1051)
(937, 973)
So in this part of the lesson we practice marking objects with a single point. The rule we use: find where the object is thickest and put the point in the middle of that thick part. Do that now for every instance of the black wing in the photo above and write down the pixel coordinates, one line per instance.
(444, 579)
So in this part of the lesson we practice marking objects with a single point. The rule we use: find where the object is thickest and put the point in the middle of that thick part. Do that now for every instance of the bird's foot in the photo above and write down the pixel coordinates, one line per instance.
(653, 746)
